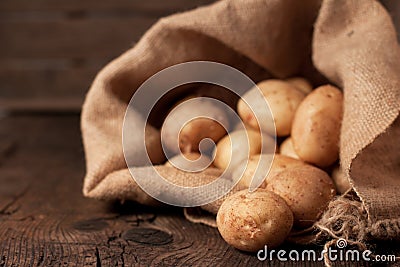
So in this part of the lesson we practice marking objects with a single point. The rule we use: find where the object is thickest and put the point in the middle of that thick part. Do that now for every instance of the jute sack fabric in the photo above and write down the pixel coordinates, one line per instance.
(352, 43)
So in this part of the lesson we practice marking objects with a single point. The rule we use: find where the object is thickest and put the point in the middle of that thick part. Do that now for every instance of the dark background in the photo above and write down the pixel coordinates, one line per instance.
(51, 50)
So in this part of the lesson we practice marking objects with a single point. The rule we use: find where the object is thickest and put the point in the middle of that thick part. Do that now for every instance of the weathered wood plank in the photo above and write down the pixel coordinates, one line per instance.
(95, 5)
(45, 221)
(50, 51)
(76, 35)
(44, 104)
(63, 82)
(54, 85)
(61, 38)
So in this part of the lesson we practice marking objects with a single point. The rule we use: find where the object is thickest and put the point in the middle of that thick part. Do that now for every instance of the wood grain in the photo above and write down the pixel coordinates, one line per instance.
(45, 221)
(71, 38)
(61, 86)
(162, 7)
(51, 50)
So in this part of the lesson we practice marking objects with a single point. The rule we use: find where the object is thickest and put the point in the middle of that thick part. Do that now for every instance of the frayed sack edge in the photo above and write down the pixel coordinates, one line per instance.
(345, 218)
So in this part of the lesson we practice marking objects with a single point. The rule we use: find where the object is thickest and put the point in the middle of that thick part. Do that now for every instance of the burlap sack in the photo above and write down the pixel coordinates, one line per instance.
(352, 43)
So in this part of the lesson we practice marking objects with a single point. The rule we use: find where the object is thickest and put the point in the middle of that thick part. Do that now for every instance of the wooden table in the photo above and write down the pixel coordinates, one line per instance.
(45, 220)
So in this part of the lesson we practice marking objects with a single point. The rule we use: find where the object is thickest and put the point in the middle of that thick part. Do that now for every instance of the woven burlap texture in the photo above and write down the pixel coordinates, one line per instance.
(352, 43)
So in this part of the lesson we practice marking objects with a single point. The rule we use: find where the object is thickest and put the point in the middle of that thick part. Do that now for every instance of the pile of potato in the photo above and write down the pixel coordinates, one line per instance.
(297, 188)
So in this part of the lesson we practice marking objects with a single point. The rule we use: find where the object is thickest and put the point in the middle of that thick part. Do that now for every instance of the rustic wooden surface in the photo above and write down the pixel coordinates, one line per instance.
(50, 51)
(45, 220)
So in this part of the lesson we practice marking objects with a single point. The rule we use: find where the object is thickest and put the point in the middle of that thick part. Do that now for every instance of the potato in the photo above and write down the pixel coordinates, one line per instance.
(301, 84)
(340, 180)
(231, 149)
(281, 163)
(316, 126)
(283, 99)
(191, 162)
(249, 221)
(239, 126)
(306, 189)
(266, 165)
(287, 149)
(187, 125)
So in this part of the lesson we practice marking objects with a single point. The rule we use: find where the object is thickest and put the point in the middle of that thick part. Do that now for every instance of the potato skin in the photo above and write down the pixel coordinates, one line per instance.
(239, 126)
(283, 99)
(301, 83)
(229, 155)
(248, 221)
(316, 126)
(286, 148)
(306, 189)
(189, 125)
(276, 163)
(198, 129)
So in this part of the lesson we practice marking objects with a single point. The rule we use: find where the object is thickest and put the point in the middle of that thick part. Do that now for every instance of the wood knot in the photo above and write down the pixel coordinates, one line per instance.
(149, 236)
